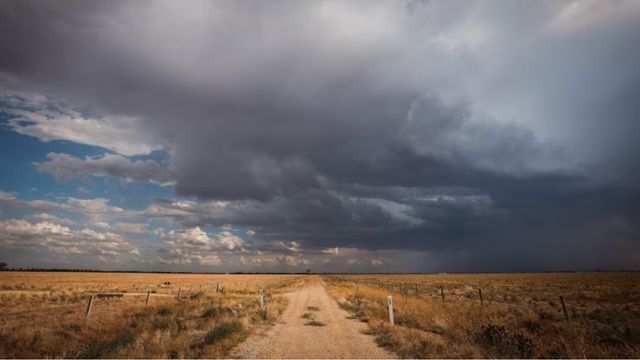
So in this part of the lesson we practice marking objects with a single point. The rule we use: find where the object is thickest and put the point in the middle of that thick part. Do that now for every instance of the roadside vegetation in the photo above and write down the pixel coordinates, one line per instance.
(44, 315)
(521, 315)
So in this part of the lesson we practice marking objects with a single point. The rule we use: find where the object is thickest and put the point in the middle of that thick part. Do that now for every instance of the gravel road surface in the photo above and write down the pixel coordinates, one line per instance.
(293, 337)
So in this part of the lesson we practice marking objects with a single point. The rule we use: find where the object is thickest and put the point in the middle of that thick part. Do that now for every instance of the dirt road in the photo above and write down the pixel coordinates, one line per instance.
(332, 336)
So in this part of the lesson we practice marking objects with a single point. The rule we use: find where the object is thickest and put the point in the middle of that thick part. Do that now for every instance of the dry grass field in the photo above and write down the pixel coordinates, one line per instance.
(521, 315)
(44, 314)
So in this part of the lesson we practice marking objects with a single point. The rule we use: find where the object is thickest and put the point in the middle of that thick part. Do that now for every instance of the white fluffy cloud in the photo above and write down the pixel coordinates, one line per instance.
(89, 207)
(195, 246)
(47, 120)
(25, 235)
(53, 219)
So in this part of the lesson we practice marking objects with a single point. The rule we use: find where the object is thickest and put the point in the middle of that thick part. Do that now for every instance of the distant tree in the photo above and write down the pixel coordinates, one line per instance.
(3, 265)
(308, 271)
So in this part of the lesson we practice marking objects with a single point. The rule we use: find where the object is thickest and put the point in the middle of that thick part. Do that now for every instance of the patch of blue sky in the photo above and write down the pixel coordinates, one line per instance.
(19, 153)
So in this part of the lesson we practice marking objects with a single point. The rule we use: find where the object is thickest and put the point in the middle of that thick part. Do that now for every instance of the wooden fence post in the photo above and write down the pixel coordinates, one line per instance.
(390, 303)
(442, 292)
(564, 308)
(90, 305)
(217, 286)
(148, 297)
(481, 299)
(179, 293)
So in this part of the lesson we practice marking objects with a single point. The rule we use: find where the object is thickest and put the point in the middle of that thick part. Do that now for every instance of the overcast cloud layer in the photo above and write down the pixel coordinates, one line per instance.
(335, 135)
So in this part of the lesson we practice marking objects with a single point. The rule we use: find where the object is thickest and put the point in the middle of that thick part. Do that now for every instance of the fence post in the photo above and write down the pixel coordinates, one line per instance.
(261, 298)
(442, 292)
(417, 293)
(217, 286)
(390, 302)
(481, 299)
(148, 297)
(90, 305)
(564, 308)
(179, 293)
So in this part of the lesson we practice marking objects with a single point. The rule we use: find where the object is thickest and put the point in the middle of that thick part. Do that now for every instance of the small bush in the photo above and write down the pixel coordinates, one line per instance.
(165, 311)
(547, 316)
(222, 331)
(501, 343)
(97, 349)
(407, 320)
(162, 324)
(531, 326)
(263, 314)
(210, 313)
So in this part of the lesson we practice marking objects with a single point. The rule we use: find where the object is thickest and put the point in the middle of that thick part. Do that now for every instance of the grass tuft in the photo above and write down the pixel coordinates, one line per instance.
(221, 331)
(165, 311)
(314, 323)
(98, 349)
(308, 315)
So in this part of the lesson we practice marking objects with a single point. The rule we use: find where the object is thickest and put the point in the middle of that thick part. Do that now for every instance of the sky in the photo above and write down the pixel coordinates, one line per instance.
(350, 136)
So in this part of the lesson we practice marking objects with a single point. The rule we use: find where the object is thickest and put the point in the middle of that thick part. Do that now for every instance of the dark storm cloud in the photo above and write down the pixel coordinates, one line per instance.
(495, 130)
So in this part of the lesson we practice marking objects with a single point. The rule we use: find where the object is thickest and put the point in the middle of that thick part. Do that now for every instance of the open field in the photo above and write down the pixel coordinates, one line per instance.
(44, 314)
(520, 316)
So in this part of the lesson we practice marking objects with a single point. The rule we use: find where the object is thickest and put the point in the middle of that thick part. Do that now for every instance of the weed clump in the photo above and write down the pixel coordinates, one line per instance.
(162, 324)
(165, 311)
(314, 323)
(307, 315)
(501, 343)
(97, 349)
(221, 331)
(210, 313)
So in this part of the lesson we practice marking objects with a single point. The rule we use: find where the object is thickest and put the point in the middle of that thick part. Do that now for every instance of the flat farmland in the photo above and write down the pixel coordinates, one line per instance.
(44, 314)
(319, 316)
(518, 316)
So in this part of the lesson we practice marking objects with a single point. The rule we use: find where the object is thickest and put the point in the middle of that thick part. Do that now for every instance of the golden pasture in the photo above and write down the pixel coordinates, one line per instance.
(520, 315)
(44, 313)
